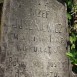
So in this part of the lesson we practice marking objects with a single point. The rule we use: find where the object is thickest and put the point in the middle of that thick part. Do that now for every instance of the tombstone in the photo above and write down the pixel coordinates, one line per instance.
(34, 39)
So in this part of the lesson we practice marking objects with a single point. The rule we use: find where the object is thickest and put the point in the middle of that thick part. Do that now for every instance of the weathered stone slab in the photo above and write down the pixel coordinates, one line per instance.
(34, 39)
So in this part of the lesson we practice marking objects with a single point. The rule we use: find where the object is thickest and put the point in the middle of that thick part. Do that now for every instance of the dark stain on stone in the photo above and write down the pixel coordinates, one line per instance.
(1, 72)
(3, 53)
(39, 4)
(19, 6)
(0, 50)
(3, 56)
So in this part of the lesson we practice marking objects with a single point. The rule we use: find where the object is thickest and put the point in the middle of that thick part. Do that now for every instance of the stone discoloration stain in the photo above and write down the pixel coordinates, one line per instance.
(1, 72)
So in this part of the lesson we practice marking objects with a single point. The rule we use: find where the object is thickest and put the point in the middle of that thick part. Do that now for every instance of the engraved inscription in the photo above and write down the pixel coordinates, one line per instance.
(34, 42)
(58, 28)
(40, 13)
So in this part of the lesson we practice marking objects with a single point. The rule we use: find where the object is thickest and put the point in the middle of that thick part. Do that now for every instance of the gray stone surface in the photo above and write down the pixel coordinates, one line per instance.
(34, 39)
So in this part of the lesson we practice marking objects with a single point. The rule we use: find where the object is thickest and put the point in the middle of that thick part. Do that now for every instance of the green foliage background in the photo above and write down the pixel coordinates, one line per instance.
(72, 22)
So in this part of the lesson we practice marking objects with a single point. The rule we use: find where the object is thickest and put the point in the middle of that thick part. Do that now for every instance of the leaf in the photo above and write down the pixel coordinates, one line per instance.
(73, 46)
(69, 16)
(75, 26)
(75, 62)
(73, 50)
(69, 54)
(69, 3)
(71, 39)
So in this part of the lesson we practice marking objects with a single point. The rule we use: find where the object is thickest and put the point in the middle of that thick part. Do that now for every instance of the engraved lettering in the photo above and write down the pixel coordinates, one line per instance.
(10, 59)
(17, 73)
(35, 49)
(34, 38)
(50, 38)
(55, 74)
(49, 49)
(24, 48)
(48, 27)
(39, 13)
(47, 13)
(20, 25)
(15, 36)
(18, 48)
(58, 28)
(14, 63)
(44, 14)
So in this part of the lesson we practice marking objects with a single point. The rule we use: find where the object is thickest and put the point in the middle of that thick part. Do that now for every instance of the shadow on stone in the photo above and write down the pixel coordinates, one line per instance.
(1, 72)
(61, 1)
(74, 69)
(2, 56)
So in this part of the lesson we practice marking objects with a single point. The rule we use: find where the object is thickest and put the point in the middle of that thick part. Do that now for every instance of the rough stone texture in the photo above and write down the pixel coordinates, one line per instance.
(34, 39)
